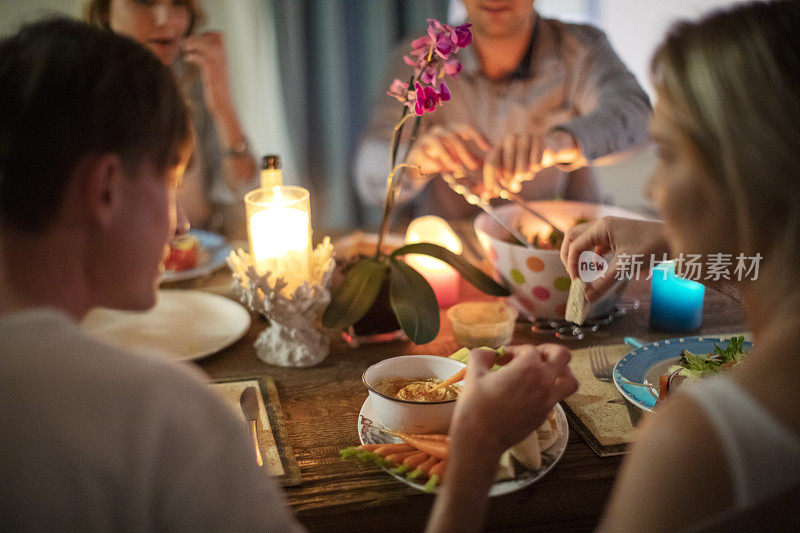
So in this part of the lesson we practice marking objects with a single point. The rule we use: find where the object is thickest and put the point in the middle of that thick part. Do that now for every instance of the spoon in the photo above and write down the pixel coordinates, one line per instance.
(249, 403)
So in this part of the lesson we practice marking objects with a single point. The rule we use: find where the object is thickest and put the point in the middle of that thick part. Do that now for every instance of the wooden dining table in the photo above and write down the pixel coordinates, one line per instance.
(321, 406)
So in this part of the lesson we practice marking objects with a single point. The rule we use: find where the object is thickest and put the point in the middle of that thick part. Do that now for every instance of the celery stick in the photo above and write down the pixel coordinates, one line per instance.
(431, 484)
(402, 469)
(414, 474)
(348, 453)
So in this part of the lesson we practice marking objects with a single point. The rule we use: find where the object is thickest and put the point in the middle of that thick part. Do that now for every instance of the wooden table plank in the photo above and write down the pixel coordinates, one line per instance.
(322, 404)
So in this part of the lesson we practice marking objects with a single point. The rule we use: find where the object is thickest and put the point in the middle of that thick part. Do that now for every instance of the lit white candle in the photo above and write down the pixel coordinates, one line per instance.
(443, 278)
(279, 229)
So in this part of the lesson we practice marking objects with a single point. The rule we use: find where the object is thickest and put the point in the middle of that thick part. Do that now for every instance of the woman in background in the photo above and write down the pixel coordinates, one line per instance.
(727, 181)
(222, 166)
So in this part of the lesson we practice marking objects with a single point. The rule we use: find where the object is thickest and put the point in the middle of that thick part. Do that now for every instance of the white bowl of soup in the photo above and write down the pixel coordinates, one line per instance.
(398, 389)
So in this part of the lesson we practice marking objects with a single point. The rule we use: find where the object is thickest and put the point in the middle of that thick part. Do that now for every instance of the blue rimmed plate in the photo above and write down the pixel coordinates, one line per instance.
(213, 252)
(649, 362)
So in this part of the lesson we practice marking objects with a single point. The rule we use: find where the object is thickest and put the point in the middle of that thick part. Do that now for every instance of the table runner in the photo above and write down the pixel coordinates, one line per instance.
(597, 411)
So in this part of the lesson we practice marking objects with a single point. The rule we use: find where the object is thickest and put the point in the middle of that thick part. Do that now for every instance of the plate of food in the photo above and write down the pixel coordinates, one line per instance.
(195, 254)
(519, 467)
(184, 325)
(652, 371)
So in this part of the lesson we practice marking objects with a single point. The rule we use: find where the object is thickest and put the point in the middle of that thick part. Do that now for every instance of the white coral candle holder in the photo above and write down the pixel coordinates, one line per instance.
(295, 336)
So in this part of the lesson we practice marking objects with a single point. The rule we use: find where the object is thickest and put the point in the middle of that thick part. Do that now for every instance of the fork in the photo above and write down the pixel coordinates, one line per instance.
(602, 367)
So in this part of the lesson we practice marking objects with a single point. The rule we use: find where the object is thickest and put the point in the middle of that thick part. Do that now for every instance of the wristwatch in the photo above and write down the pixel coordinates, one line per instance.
(241, 148)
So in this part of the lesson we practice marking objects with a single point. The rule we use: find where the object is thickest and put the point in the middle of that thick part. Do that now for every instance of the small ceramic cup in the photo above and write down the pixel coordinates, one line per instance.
(477, 324)
(405, 415)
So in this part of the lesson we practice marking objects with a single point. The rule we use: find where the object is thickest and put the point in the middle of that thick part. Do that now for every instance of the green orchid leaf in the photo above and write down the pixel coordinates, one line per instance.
(413, 302)
(473, 275)
(356, 294)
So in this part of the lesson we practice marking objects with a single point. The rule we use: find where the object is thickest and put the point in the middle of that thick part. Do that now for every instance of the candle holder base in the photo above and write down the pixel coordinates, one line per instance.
(295, 336)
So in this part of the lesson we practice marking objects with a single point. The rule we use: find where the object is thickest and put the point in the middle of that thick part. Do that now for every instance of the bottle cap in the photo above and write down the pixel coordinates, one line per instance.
(271, 161)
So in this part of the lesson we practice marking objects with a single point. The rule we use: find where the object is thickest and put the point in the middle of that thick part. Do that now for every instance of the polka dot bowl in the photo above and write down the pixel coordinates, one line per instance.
(537, 278)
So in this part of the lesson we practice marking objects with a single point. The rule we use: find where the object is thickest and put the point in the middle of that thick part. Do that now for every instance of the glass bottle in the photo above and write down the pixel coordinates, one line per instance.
(271, 171)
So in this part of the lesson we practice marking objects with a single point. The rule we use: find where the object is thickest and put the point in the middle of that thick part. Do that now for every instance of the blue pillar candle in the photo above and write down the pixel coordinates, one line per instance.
(676, 304)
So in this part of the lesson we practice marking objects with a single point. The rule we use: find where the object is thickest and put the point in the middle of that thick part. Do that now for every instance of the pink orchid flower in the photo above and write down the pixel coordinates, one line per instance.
(399, 90)
(427, 98)
(462, 36)
(444, 92)
(428, 76)
(431, 59)
(452, 67)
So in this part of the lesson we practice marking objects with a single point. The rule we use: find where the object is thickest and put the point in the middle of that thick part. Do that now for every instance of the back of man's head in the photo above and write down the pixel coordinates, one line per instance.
(67, 92)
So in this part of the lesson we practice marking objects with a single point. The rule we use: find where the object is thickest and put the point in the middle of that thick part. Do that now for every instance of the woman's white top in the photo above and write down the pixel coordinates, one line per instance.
(762, 455)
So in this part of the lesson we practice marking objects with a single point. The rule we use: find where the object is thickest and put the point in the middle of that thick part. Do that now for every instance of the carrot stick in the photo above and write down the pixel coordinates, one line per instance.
(388, 449)
(370, 447)
(397, 458)
(415, 460)
(431, 447)
(423, 469)
(436, 474)
(439, 470)
(455, 378)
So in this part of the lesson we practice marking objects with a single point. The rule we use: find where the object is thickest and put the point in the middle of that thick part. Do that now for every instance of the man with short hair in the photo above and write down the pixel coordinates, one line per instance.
(537, 101)
(94, 135)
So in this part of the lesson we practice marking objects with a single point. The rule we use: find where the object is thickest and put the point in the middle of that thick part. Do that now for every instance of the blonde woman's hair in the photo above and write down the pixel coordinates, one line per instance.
(731, 84)
(95, 12)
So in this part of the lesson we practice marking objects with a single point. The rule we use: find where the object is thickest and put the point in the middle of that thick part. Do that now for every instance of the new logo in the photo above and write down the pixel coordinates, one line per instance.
(591, 266)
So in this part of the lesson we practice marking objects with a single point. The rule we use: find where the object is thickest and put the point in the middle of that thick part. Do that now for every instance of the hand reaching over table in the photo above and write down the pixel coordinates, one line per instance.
(518, 157)
(611, 235)
(495, 411)
(453, 149)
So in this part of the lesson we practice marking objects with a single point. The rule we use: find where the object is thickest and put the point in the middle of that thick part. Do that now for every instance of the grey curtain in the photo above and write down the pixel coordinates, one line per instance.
(333, 59)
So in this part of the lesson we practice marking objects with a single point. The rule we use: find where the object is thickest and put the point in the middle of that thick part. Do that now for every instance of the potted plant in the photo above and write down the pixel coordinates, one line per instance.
(412, 299)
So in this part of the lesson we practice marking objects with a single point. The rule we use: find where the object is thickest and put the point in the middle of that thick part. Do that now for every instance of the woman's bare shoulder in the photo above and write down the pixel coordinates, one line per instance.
(675, 474)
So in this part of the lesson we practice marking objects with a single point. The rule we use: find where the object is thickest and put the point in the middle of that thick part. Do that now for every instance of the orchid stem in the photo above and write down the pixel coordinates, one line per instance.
(388, 202)
(393, 184)
(406, 116)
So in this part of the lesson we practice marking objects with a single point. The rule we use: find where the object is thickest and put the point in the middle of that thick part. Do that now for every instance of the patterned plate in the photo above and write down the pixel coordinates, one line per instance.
(369, 432)
(648, 363)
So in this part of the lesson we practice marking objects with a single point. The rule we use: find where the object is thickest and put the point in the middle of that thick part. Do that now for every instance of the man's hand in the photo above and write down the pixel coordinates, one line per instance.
(454, 149)
(520, 156)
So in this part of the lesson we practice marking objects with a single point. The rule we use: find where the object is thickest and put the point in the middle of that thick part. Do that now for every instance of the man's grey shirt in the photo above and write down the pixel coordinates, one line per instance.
(570, 79)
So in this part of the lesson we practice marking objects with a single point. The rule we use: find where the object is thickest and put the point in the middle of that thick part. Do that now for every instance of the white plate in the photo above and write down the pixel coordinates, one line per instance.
(184, 325)
(369, 432)
(213, 252)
